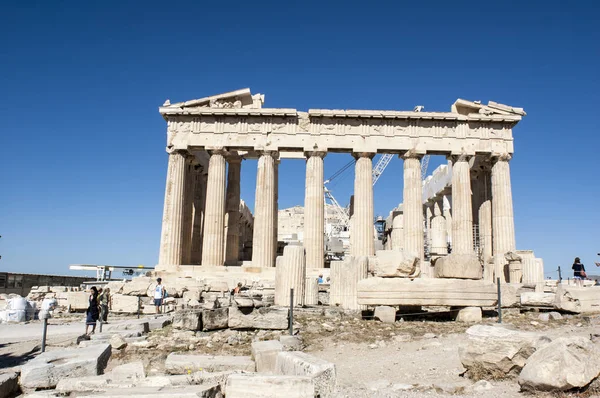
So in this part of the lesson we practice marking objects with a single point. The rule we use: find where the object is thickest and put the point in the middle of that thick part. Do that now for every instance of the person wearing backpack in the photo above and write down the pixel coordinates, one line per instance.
(159, 294)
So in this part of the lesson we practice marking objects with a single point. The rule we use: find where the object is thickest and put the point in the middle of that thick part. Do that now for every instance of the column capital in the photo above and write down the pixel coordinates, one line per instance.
(500, 157)
(412, 154)
(234, 159)
(320, 154)
(217, 151)
(272, 153)
(172, 150)
(462, 157)
(357, 155)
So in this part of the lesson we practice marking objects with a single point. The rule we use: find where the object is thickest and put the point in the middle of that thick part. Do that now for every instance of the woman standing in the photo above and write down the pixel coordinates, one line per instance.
(92, 313)
(578, 272)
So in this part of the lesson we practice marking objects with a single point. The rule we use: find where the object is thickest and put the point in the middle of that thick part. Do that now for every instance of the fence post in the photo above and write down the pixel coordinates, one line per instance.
(559, 275)
(44, 334)
(138, 311)
(499, 301)
(291, 311)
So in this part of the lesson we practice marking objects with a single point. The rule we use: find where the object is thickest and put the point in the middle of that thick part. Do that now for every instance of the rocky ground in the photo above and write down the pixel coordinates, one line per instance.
(414, 357)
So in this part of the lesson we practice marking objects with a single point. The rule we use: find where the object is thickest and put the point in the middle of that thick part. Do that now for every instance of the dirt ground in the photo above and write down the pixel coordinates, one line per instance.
(416, 357)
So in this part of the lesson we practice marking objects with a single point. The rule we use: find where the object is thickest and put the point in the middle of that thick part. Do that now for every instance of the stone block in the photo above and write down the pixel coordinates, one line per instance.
(117, 342)
(9, 384)
(141, 325)
(82, 384)
(188, 320)
(182, 363)
(426, 292)
(195, 391)
(498, 351)
(296, 363)
(291, 343)
(265, 355)
(193, 294)
(578, 299)
(137, 286)
(243, 302)
(565, 364)
(259, 318)
(128, 373)
(77, 301)
(215, 319)
(534, 299)
(395, 264)
(116, 287)
(269, 386)
(469, 315)
(385, 314)
(459, 266)
(124, 304)
(45, 370)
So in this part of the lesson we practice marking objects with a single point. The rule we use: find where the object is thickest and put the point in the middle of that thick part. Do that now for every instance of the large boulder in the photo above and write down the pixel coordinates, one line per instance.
(265, 355)
(497, 352)
(125, 304)
(460, 266)
(385, 314)
(469, 315)
(566, 363)
(395, 264)
(45, 370)
(577, 299)
(259, 318)
(137, 286)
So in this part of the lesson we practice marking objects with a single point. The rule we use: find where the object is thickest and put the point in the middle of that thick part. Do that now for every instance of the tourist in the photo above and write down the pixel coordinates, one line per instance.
(237, 289)
(105, 300)
(159, 295)
(92, 313)
(320, 279)
(578, 272)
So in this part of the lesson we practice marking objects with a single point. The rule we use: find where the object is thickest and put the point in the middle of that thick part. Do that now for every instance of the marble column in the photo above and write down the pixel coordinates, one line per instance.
(276, 163)
(447, 213)
(398, 232)
(485, 231)
(412, 206)
(188, 211)
(200, 178)
(214, 219)
(314, 210)
(171, 240)
(232, 207)
(462, 215)
(503, 223)
(264, 208)
(362, 234)
(439, 238)
(428, 216)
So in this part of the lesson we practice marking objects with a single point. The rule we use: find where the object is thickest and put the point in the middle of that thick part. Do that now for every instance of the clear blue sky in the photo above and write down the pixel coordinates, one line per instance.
(83, 164)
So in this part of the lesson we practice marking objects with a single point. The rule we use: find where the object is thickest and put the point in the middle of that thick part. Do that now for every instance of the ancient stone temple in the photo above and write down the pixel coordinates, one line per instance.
(206, 224)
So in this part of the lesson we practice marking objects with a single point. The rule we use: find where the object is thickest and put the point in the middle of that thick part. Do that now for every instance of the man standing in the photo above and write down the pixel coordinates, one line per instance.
(159, 295)
(105, 304)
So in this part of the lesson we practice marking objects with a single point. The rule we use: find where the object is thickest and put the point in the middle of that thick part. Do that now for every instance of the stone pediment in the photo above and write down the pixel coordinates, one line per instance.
(472, 108)
(237, 99)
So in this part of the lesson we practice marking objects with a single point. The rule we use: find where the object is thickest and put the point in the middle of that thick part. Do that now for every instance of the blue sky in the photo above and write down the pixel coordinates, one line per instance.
(83, 164)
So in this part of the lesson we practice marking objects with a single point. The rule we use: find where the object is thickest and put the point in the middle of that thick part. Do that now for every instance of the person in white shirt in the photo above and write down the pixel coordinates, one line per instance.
(159, 295)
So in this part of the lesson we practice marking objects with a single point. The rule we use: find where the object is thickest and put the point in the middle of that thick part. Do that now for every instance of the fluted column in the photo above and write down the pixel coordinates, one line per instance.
(447, 213)
(232, 207)
(485, 231)
(314, 210)
(198, 216)
(171, 240)
(503, 223)
(398, 232)
(275, 205)
(361, 234)
(462, 215)
(290, 274)
(264, 217)
(214, 220)
(188, 211)
(412, 205)
(439, 238)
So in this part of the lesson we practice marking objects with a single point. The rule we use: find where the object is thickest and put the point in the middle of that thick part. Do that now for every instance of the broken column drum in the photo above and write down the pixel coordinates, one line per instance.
(439, 238)
(290, 274)
(311, 291)
(345, 276)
